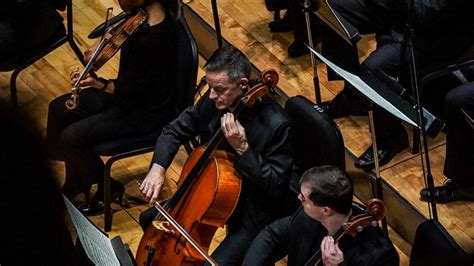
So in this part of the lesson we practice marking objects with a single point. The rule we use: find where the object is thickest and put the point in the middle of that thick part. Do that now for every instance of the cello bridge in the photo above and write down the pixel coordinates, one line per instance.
(162, 226)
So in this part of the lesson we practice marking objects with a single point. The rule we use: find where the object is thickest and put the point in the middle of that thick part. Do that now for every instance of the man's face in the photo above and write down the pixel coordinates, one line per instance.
(224, 93)
(309, 207)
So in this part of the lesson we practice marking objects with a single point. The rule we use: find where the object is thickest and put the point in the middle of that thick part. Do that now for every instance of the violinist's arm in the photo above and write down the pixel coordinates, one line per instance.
(89, 81)
(270, 245)
(90, 51)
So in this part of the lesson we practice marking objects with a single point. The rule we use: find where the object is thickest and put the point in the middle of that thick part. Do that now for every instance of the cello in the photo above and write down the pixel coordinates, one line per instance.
(356, 224)
(207, 194)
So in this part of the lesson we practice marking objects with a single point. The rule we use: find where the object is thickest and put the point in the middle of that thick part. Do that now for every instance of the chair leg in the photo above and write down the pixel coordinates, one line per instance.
(276, 15)
(416, 141)
(13, 95)
(107, 196)
(76, 49)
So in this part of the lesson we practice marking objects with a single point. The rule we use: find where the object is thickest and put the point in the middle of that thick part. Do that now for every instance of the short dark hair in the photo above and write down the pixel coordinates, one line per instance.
(330, 186)
(230, 60)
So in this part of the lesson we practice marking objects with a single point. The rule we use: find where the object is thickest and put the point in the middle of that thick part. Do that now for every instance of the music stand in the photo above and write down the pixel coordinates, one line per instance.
(99, 249)
(337, 23)
(386, 98)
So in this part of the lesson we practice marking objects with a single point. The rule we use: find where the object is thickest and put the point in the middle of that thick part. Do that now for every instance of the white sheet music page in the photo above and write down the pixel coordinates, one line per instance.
(365, 89)
(95, 243)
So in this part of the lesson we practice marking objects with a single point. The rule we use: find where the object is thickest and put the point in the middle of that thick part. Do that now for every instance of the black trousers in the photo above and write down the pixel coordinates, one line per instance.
(71, 135)
(369, 18)
(459, 163)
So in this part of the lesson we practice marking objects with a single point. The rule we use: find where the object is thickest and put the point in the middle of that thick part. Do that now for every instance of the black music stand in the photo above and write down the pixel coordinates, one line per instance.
(379, 91)
(409, 37)
(336, 22)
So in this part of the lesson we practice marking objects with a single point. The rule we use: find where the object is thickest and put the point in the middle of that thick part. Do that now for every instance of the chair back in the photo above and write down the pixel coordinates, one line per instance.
(185, 69)
(434, 246)
(316, 139)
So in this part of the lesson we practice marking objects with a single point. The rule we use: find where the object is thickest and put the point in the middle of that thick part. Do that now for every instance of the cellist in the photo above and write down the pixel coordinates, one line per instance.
(259, 138)
(139, 100)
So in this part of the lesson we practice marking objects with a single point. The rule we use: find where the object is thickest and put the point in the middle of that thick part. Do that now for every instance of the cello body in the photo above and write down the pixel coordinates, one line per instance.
(205, 206)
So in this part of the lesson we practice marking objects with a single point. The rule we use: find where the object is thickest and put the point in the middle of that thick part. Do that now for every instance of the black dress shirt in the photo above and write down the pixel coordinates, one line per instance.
(299, 236)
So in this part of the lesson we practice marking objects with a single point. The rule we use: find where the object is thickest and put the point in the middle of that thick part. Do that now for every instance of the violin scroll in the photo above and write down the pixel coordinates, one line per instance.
(375, 212)
(376, 208)
(71, 103)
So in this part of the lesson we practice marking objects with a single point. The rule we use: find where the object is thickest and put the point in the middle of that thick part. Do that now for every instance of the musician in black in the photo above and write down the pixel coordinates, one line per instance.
(326, 198)
(444, 32)
(459, 161)
(259, 138)
(138, 101)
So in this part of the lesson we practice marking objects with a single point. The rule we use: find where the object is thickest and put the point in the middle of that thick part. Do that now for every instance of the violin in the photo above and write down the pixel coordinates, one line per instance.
(207, 194)
(375, 212)
(107, 47)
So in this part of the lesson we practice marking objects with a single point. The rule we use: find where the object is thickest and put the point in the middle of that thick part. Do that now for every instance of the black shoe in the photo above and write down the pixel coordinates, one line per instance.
(280, 26)
(385, 153)
(297, 49)
(96, 205)
(449, 192)
(72, 191)
(344, 104)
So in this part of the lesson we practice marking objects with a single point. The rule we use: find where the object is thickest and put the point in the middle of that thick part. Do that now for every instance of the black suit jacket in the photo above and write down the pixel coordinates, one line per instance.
(299, 236)
(264, 167)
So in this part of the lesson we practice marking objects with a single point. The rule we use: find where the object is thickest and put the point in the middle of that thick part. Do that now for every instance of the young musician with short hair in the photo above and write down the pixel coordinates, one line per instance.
(326, 199)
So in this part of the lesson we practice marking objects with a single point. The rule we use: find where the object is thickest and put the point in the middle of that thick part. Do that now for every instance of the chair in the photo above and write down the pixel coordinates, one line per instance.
(185, 79)
(19, 62)
(316, 140)
(434, 246)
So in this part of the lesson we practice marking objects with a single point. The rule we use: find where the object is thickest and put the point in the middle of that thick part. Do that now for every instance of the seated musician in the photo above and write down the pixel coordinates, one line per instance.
(139, 100)
(326, 198)
(459, 161)
(259, 138)
(444, 31)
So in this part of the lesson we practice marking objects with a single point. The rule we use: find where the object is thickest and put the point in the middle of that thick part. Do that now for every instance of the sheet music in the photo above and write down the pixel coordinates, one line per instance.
(365, 89)
(95, 243)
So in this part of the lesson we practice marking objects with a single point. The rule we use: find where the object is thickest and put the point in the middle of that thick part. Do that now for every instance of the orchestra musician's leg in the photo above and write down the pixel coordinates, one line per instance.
(59, 118)
(366, 19)
(232, 250)
(83, 163)
(459, 162)
(391, 135)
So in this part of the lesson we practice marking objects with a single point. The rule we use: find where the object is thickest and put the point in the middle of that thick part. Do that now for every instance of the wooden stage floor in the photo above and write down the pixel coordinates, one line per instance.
(245, 25)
